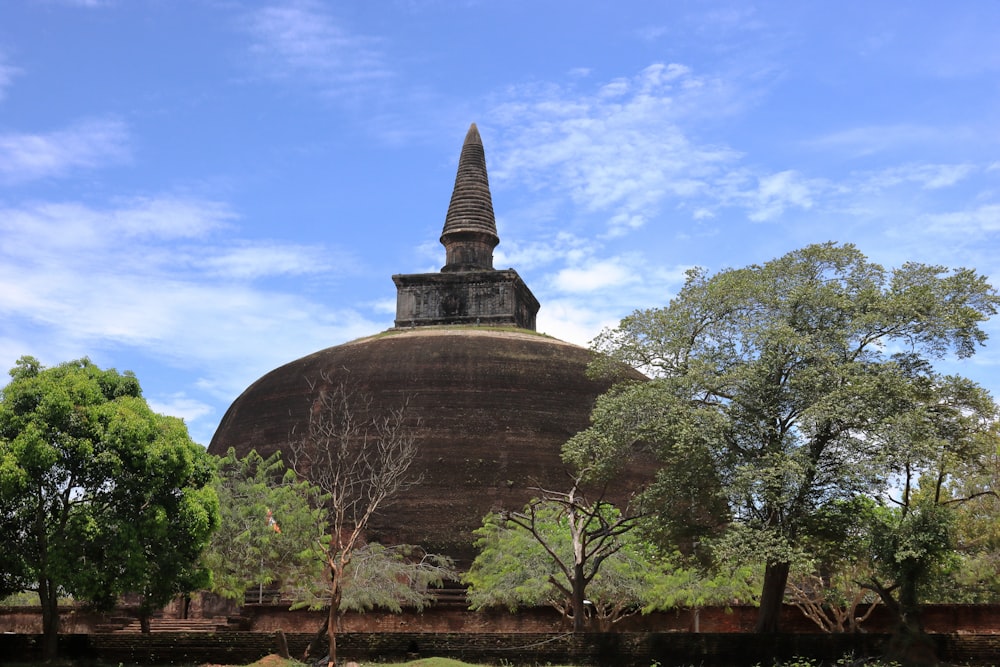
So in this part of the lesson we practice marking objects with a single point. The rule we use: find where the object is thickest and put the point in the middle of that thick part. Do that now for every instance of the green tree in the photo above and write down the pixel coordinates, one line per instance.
(779, 375)
(575, 557)
(391, 577)
(102, 495)
(977, 531)
(826, 583)
(941, 442)
(271, 533)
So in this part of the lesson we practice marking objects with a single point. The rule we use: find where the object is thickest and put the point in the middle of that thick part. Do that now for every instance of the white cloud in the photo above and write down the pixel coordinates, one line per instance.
(541, 251)
(775, 192)
(301, 39)
(82, 281)
(574, 321)
(873, 139)
(975, 222)
(72, 234)
(596, 276)
(180, 405)
(620, 151)
(927, 176)
(90, 4)
(85, 145)
(67, 271)
(7, 74)
(247, 260)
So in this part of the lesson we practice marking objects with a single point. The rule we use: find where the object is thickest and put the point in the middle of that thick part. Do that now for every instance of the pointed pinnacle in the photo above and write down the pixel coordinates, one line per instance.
(471, 208)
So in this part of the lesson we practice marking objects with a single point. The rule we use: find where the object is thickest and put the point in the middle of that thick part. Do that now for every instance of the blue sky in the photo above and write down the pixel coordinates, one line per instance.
(202, 190)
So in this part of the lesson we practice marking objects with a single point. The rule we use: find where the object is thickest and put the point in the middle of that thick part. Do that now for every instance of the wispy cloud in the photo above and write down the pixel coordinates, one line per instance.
(155, 274)
(875, 139)
(85, 145)
(587, 294)
(620, 150)
(301, 39)
(925, 176)
(90, 4)
(776, 192)
(971, 224)
(7, 74)
(601, 275)
(247, 260)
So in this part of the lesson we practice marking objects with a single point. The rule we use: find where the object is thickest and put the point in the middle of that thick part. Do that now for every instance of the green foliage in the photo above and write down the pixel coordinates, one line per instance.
(272, 530)
(784, 380)
(102, 495)
(517, 567)
(693, 587)
(275, 533)
(910, 543)
(942, 448)
(393, 577)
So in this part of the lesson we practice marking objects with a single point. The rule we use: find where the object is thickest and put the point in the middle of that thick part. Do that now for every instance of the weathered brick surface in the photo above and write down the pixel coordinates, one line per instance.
(613, 650)
(494, 409)
(938, 619)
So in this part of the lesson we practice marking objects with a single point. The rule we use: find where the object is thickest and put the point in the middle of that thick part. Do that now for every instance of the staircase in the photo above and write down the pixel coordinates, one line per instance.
(179, 625)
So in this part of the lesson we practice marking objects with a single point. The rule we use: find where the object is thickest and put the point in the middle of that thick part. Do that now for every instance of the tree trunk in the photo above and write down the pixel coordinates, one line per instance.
(579, 604)
(772, 596)
(331, 620)
(282, 645)
(310, 651)
(910, 645)
(49, 599)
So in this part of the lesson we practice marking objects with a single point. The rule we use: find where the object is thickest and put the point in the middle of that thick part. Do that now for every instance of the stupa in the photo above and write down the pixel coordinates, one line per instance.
(492, 401)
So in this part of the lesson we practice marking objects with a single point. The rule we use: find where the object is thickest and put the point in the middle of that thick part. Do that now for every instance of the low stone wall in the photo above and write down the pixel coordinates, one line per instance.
(938, 619)
(610, 649)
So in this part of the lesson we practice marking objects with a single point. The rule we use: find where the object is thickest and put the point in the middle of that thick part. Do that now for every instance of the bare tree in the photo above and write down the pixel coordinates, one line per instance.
(360, 457)
(832, 603)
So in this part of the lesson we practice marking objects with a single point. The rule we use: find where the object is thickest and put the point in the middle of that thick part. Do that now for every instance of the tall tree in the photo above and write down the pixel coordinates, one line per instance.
(779, 374)
(359, 456)
(102, 495)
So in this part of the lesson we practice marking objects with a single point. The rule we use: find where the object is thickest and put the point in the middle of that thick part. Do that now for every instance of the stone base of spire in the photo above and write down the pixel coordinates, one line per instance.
(487, 298)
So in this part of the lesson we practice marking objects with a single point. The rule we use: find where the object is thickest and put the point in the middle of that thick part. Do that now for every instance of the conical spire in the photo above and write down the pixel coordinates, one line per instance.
(470, 229)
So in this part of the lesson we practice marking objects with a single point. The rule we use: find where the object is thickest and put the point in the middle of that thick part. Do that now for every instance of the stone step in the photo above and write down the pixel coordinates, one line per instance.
(178, 625)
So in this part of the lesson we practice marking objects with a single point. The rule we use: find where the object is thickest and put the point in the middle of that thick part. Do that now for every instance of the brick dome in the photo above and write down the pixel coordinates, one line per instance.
(492, 401)
(492, 409)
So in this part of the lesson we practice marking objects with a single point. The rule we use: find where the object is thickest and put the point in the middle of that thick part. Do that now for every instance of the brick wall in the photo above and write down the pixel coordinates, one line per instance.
(939, 619)
(942, 619)
(613, 650)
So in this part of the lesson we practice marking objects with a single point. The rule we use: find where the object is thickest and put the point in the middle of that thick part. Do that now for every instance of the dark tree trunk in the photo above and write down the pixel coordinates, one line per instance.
(579, 604)
(771, 598)
(282, 645)
(314, 645)
(331, 620)
(49, 599)
(331, 632)
(910, 645)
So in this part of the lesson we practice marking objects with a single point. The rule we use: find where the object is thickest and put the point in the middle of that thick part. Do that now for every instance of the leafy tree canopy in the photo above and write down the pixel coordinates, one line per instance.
(778, 381)
(272, 530)
(517, 567)
(102, 495)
